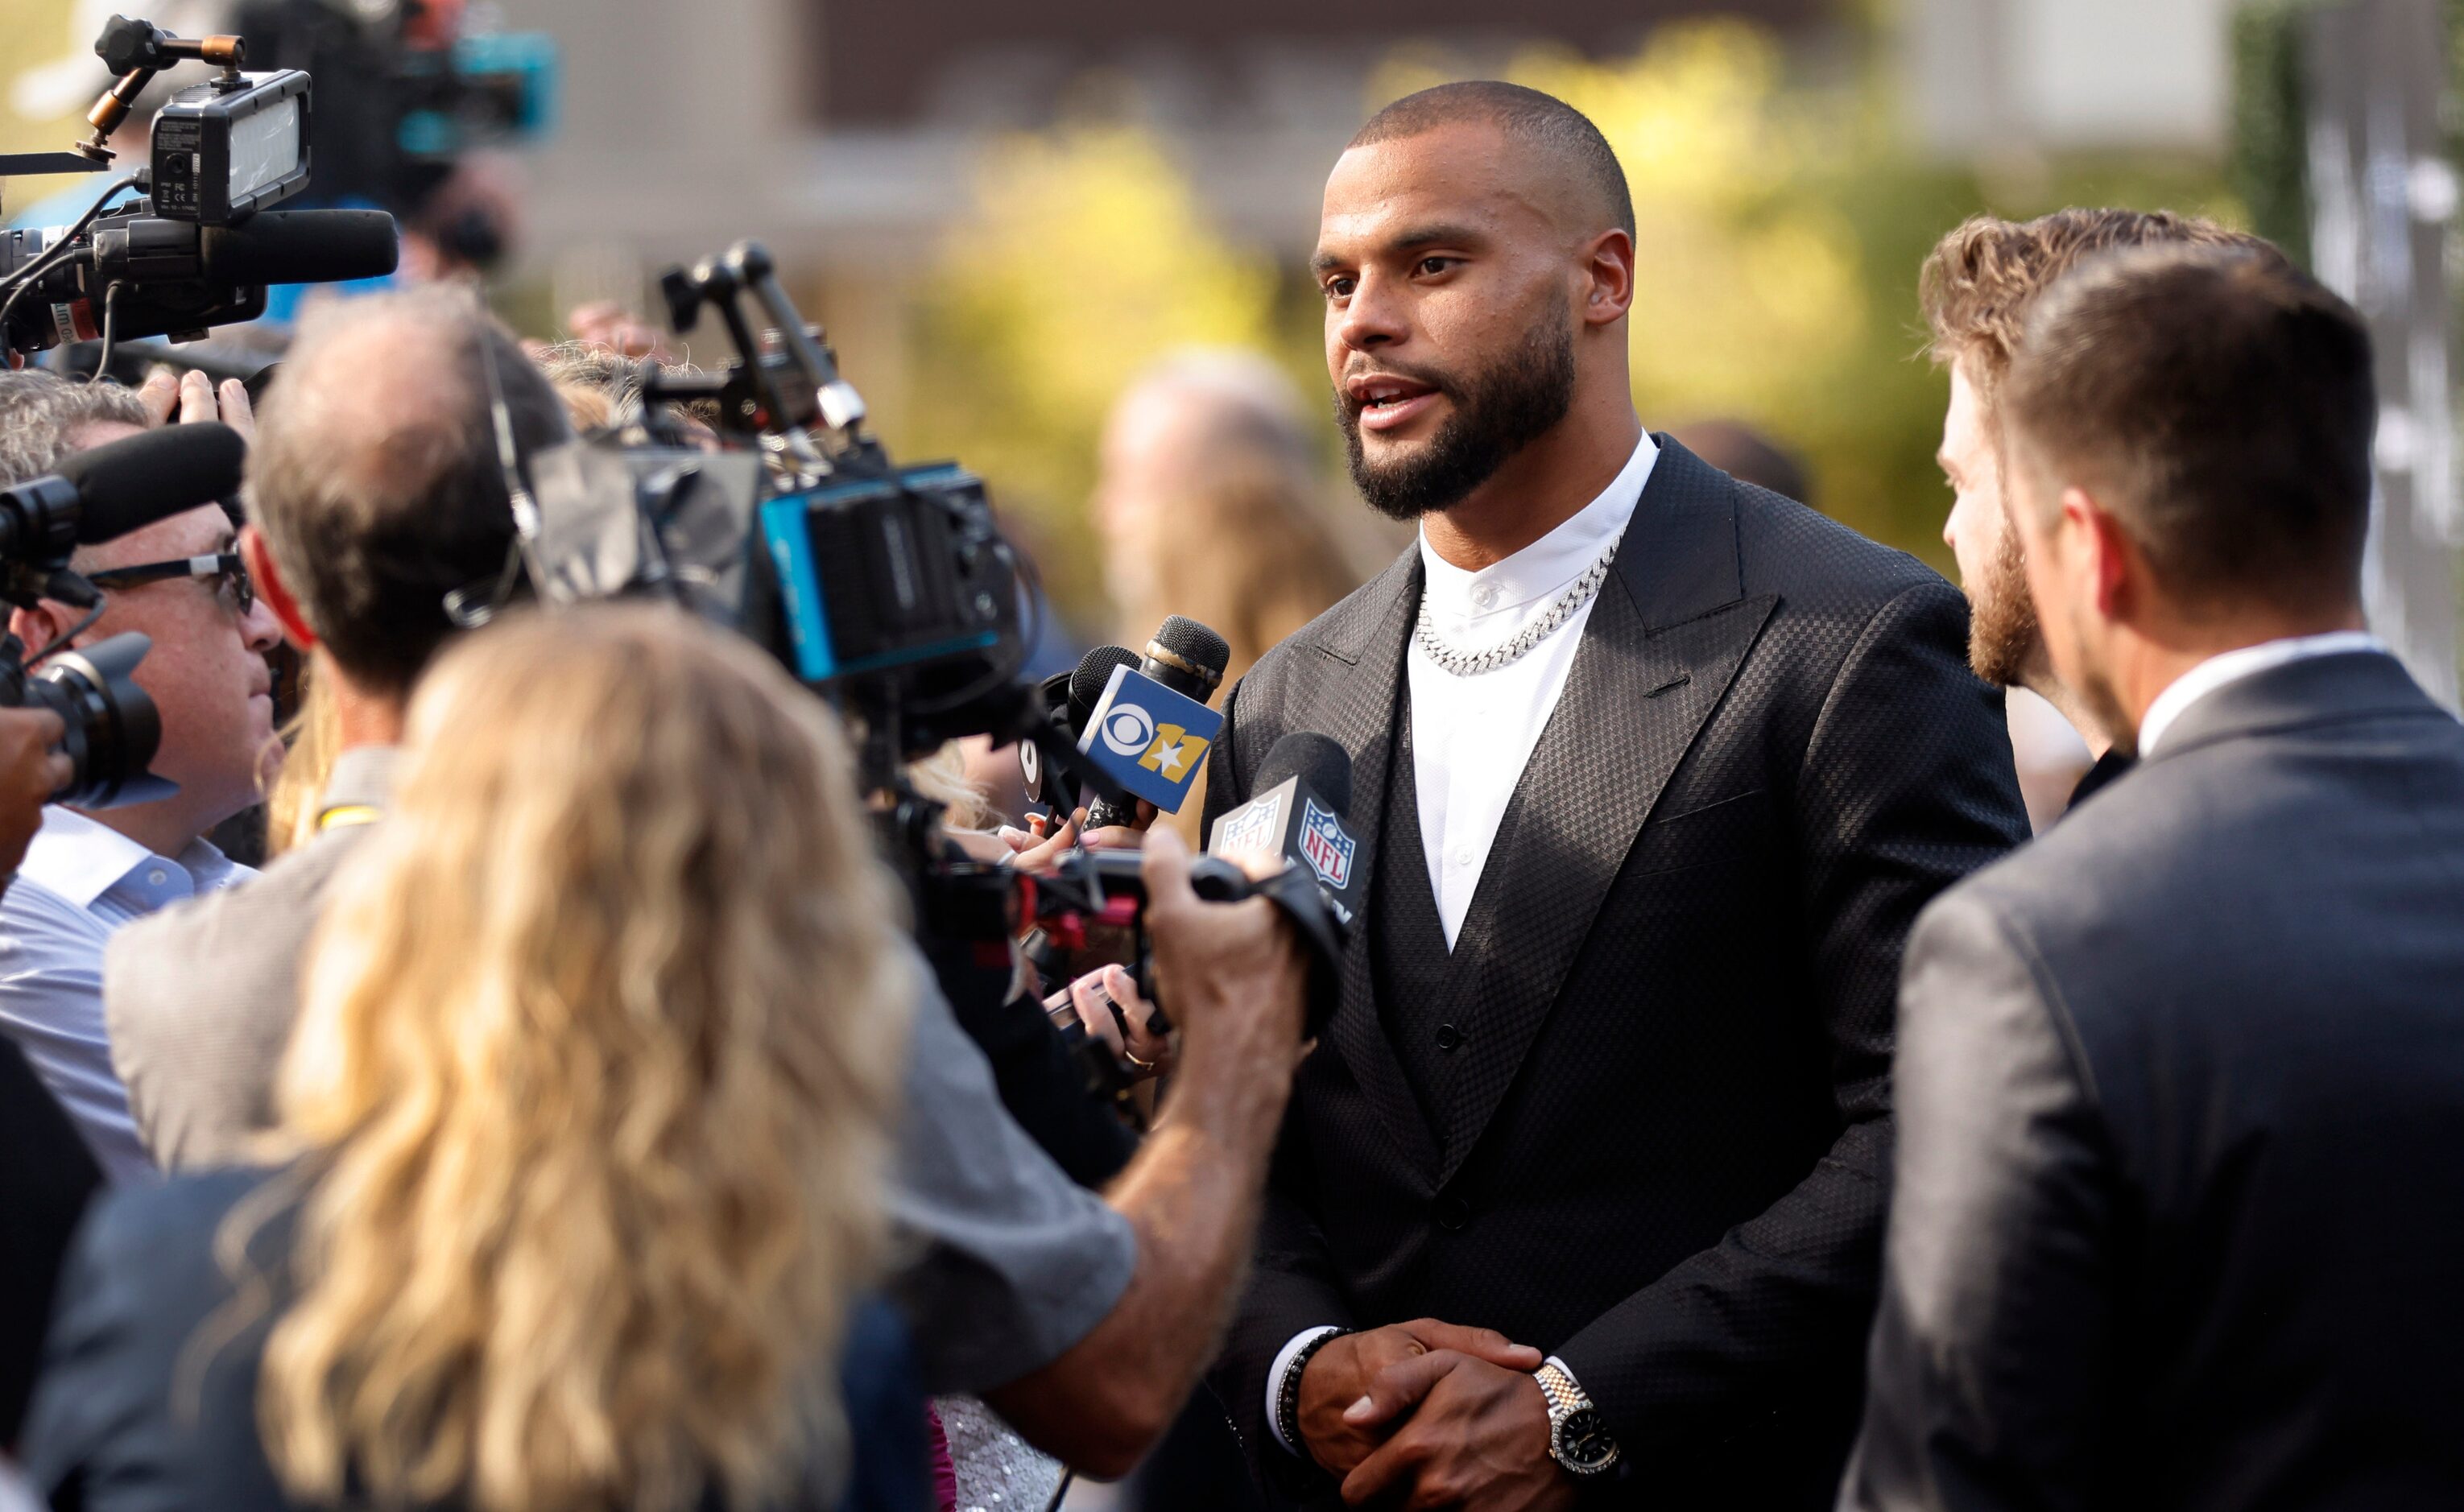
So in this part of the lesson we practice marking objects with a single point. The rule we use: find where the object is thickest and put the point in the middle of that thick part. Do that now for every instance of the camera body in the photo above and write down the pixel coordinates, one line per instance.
(899, 570)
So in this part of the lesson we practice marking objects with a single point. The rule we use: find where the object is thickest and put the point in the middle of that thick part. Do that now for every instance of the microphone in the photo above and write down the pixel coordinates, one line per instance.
(1300, 814)
(153, 475)
(1069, 698)
(1185, 657)
(115, 488)
(301, 246)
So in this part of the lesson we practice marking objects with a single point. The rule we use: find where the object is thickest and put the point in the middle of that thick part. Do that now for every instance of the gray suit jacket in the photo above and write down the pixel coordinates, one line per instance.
(199, 998)
(2179, 1212)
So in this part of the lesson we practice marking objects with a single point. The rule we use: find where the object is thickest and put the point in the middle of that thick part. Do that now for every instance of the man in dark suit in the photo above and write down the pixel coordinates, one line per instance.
(1655, 769)
(2182, 1085)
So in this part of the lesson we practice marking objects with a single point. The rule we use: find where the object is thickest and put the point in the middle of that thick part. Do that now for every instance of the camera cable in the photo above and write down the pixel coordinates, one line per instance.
(110, 326)
(62, 639)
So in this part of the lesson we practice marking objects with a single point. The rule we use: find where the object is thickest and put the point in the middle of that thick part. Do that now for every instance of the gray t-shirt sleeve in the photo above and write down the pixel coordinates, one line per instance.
(1005, 1261)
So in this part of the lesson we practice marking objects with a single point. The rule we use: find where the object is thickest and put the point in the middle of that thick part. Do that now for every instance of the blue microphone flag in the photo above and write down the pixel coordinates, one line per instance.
(1148, 738)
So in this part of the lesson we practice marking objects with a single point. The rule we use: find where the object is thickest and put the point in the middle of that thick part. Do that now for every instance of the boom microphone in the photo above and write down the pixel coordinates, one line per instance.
(1304, 799)
(153, 475)
(301, 246)
(1185, 657)
(111, 490)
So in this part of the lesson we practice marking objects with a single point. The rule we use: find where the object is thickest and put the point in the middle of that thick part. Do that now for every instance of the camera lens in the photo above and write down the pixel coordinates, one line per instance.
(112, 726)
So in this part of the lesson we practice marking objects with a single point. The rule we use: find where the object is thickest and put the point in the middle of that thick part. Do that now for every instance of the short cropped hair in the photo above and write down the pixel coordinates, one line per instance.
(1981, 279)
(376, 477)
(41, 414)
(2222, 406)
(1524, 115)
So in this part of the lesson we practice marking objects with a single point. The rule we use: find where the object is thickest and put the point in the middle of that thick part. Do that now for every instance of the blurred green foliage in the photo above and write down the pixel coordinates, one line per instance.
(1782, 221)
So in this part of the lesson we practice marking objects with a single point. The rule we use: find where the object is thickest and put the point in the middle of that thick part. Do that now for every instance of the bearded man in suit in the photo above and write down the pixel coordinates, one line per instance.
(1584, 1187)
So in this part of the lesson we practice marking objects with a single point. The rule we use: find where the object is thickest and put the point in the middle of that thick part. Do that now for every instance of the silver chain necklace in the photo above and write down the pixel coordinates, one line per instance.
(1471, 663)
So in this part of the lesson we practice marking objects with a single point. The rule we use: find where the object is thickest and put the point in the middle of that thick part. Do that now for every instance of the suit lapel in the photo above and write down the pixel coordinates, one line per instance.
(1351, 696)
(1661, 645)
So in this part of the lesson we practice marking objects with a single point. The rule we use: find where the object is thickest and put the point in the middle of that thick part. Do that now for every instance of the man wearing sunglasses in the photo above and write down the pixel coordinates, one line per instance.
(180, 583)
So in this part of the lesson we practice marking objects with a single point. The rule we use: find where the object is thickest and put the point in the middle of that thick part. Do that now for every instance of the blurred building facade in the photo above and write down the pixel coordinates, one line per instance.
(842, 131)
(2001, 78)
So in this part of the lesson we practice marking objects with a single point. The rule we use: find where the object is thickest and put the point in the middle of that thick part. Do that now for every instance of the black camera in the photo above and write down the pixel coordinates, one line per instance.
(112, 727)
(198, 249)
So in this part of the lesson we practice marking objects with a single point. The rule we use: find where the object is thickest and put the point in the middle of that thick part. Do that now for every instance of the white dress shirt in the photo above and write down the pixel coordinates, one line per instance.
(2231, 667)
(79, 884)
(1471, 736)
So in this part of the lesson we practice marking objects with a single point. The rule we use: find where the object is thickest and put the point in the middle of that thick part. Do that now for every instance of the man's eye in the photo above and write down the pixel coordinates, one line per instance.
(1338, 288)
(1434, 265)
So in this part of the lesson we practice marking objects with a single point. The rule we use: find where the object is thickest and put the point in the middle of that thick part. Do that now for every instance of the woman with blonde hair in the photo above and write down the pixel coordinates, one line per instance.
(586, 1118)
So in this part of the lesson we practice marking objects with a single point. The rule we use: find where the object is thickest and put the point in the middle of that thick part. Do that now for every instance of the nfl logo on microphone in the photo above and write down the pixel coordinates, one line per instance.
(1324, 845)
(1252, 827)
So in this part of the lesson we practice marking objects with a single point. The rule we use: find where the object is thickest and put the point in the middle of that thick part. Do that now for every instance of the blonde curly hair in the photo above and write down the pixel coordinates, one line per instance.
(1981, 280)
(595, 1075)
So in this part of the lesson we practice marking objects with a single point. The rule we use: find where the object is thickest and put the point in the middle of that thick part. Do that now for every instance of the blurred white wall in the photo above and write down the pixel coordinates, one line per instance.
(1997, 76)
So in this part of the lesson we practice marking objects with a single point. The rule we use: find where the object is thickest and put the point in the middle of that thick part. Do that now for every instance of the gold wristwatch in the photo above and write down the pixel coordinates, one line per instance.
(1578, 1436)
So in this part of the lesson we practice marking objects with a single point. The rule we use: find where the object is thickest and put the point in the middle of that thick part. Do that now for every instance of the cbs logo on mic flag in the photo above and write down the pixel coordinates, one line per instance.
(1150, 739)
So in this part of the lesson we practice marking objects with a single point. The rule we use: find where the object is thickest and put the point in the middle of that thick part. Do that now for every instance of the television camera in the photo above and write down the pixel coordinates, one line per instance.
(198, 246)
(887, 588)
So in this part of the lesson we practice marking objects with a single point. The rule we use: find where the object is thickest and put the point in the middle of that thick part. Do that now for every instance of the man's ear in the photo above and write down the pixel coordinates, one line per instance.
(41, 625)
(270, 587)
(1610, 261)
(2118, 568)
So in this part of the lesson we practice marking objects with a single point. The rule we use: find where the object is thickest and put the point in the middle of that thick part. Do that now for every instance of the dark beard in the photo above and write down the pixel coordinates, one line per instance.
(1496, 414)
(2004, 639)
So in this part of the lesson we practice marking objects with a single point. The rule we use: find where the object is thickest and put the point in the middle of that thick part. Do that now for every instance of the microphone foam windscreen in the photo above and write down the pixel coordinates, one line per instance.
(301, 247)
(1322, 765)
(1087, 683)
(153, 475)
(1187, 639)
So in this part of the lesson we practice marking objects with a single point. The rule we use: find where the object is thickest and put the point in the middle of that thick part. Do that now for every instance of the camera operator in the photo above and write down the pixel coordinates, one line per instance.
(1082, 1319)
(180, 582)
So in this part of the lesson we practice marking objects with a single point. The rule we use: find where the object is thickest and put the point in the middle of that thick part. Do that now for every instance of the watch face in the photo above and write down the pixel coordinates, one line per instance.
(1583, 1441)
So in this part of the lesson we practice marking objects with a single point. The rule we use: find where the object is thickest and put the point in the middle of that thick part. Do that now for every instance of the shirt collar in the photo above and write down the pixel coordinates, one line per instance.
(1546, 565)
(2231, 667)
(81, 859)
(363, 777)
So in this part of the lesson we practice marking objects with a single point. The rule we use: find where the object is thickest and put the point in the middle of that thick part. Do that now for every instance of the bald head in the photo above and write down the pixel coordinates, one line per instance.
(1584, 172)
(374, 476)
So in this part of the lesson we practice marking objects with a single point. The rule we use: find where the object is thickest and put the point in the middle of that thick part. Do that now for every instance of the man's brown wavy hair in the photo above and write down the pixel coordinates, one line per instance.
(1981, 279)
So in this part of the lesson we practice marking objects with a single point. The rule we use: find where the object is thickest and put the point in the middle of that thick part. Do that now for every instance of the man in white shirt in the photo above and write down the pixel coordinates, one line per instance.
(180, 582)
(1583, 1186)
(2175, 1216)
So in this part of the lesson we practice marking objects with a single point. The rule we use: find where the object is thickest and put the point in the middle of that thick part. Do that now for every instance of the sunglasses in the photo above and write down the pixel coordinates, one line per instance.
(228, 567)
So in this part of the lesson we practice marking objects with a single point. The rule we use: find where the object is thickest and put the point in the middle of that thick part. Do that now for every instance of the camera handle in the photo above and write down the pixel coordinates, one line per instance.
(137, 51)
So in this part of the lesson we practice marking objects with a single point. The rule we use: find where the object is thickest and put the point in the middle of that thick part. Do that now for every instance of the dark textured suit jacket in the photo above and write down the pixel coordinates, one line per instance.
(2180, 1218)
(1659, 1054)
(47, 1174)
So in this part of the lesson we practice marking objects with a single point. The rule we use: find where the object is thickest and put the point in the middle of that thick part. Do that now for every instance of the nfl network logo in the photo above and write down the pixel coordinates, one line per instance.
(1325, 846)
(1253, 828)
